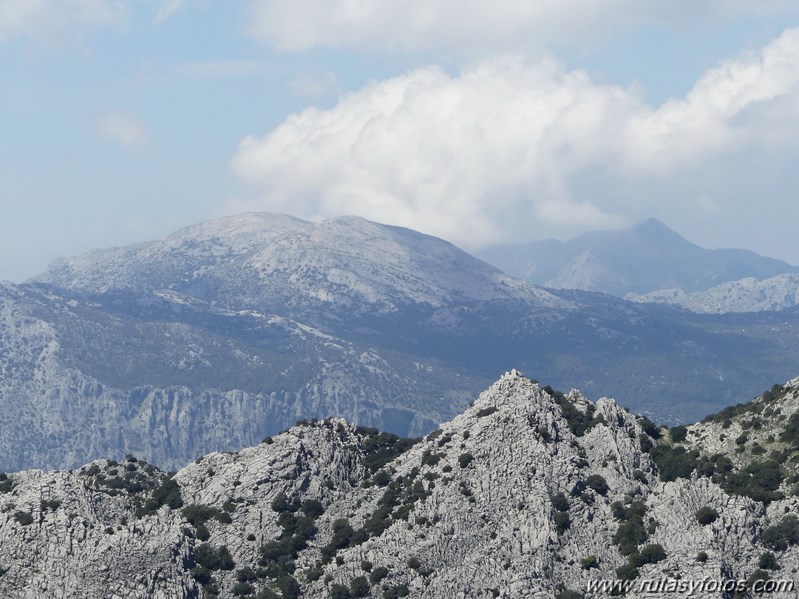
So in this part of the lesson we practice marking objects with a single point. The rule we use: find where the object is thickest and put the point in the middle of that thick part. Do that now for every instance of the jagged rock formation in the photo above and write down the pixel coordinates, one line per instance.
(746, 295)
(528, 493)
(644, 258)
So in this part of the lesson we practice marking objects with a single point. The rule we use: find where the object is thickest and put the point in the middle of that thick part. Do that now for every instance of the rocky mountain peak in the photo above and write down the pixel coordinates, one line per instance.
(528, 493)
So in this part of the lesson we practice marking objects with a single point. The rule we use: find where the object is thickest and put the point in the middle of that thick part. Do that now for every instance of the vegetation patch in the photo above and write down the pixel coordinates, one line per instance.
(579, 422)
(486, 411)
(674, 462)
(782, 535)
(380, 448)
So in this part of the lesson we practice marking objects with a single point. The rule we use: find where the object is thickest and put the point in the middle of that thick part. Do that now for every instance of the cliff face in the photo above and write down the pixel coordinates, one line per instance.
(528, 493)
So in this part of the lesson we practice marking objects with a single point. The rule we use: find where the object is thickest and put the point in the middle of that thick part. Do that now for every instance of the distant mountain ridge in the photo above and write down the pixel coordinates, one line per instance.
(231, 330)
(646, 257)
(747, 295)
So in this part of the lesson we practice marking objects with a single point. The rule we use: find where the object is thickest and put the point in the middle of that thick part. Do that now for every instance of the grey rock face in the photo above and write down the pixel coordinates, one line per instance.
(520, 496)
(80, 379)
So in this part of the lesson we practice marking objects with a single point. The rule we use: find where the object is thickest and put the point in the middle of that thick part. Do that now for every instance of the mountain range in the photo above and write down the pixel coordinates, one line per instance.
(232, 330)
(529, 492)
(644, 258)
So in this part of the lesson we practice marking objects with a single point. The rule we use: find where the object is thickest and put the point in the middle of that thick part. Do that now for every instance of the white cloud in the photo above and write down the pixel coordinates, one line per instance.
(52, 18)
(472, 26)
(720, 113)
(124, 129)
(168, 8)
(468, 156)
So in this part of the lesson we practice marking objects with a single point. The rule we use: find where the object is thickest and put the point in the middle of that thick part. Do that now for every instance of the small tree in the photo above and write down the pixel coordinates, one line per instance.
(706, 515)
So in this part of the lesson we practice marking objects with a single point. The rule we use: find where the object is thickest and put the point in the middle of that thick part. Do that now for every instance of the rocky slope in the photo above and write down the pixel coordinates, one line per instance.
(528, 493)
(641, 259)
(170, 378)
(746, 295)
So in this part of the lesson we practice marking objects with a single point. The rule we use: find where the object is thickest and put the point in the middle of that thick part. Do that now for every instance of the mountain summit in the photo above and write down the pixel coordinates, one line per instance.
(648, 256)
(269, 261)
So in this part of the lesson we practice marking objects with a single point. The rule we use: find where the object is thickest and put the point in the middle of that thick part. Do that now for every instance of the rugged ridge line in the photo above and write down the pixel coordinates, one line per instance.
(529, 493)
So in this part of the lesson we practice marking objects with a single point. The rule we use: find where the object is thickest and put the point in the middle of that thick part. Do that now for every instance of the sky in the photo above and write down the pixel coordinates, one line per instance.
(479, 122)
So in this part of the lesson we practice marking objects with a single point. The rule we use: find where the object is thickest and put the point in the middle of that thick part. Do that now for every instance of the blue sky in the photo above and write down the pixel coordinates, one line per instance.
(478, 122)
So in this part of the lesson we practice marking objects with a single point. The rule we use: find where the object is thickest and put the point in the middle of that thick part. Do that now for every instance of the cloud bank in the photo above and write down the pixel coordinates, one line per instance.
(468, 27)
(504, 140)
(52, 18)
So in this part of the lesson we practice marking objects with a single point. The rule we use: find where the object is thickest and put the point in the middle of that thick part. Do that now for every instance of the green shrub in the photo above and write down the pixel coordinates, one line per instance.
(312, 508)
(397, 591)
(213, 558)
(24, 518)
(767, 561)
(486, 411)
(649, 427)
(430, 458)
(579, 422)
(562, 522)
(631, 532)
(627, 572)
(701, 557)
(791, 432)
(758, 480)
(782, 535)
(289, 587)
(359, 587)
(339, 591)
(651, 554)
(679, 433)
(706, 515)
(465, 459)
(560, 503)
(379, 448)
(598, 483)
(757, 575)
(378, 574)
(589, 562)
(243, 589)
(674, 462)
